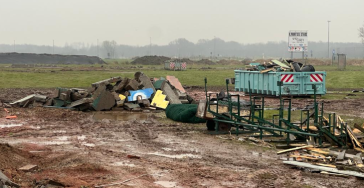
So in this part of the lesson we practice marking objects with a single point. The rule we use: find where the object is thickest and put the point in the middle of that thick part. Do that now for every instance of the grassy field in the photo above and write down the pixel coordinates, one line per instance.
(216, 74)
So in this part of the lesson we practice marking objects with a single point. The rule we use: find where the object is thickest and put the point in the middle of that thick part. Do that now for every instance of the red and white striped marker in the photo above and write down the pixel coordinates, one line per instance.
(316, 78)
(287, 78)
(183, 65)
(171, 65)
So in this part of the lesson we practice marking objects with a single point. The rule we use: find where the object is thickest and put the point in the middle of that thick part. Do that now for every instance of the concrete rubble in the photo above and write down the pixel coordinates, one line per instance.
(5, 182)
(135, 94)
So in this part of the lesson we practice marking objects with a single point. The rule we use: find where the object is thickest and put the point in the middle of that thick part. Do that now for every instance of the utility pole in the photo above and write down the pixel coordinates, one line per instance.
(214, 46)
(53, 46)
(14, 46)
(150, 46)
(328, 39)
(97, 47)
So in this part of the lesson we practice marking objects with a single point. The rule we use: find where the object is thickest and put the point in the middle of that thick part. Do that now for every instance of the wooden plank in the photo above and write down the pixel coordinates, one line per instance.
(327, 165)
(267, 70)
(304, 156)
(28, 168)
(353, 138)
(359, 127)
(318, 151)
(293, 149)
(327, 169)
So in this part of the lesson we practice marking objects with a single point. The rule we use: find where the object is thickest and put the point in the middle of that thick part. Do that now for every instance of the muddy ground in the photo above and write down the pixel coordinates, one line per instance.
(84, 149)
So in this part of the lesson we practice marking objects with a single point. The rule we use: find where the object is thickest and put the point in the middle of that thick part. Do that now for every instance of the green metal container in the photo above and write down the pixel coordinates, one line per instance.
(294, 83)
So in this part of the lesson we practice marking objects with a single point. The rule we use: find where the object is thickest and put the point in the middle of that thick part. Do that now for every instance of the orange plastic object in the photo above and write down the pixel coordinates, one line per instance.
(10, 117)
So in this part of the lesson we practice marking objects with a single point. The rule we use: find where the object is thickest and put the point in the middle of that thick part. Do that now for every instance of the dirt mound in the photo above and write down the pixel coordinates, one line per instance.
(205, 61)
(12, 158)
(188, 61)
(28, 58)
(150, 60)
(229, 62)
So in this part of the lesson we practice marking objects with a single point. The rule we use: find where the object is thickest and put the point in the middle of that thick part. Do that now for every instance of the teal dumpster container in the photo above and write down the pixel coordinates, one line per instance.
(294, 83)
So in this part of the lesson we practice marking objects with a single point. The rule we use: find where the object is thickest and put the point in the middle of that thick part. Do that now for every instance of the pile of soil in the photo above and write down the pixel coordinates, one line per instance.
(150, 60)
(12, 157)
(229, 62)
(188, 61)
(205, 61)
(29, 58)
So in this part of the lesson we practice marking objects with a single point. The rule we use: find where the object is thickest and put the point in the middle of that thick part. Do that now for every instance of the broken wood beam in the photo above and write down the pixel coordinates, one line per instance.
(327, 169)
(293, 149)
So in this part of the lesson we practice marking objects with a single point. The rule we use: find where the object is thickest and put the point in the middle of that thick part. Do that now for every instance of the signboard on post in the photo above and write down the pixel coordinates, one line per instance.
(297, 41)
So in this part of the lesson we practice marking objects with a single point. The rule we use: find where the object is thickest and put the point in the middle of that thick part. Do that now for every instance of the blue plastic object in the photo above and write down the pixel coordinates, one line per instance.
(144, 93)
(294, 83)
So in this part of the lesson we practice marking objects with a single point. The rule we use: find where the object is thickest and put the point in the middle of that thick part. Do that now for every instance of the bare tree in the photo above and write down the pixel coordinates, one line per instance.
(110, 48)
(361, 33)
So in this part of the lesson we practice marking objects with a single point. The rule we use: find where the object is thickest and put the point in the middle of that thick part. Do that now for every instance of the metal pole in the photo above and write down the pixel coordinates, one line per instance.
(53, 46)
(214, 46)
(328, 39)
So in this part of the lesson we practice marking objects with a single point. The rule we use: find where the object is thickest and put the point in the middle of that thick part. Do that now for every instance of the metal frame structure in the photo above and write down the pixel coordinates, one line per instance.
(259, 125)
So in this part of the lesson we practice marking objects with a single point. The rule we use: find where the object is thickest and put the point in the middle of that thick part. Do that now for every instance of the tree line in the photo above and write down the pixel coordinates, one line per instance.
(182, 48)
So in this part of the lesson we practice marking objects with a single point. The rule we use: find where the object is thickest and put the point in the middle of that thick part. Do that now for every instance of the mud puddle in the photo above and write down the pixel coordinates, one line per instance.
(122, 116)
(9, 125)
(179, 156)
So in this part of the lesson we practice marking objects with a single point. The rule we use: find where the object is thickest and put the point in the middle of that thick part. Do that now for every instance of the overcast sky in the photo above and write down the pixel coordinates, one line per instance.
(133, 22)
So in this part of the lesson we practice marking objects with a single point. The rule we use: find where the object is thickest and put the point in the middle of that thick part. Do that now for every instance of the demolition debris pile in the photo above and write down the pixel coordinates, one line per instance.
(280, 66)
(343, 162)
(334, 161)
(131, 94)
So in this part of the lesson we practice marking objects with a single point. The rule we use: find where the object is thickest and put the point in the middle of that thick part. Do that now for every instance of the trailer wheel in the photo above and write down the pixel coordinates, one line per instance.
(210, 124)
